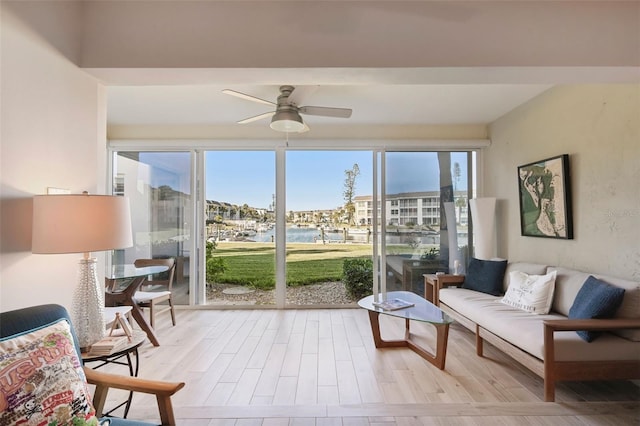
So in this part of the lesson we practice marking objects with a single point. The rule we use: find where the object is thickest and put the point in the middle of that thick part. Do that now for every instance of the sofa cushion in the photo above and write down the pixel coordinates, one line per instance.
(41, 379)
(531, 293)
(486, 276)
(568, 284)
(596, 299)
(630, 308)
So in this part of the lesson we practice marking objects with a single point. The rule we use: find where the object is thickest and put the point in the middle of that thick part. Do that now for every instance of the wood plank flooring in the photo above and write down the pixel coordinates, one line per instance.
(320, 368)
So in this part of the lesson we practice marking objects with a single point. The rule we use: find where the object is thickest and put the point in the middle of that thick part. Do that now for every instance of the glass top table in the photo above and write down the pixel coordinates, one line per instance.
(130, 271)
(122, 282)
(423, 311)
(420, 311)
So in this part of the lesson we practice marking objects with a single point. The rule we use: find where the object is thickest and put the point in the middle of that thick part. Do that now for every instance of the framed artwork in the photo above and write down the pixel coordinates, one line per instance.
(545, 198)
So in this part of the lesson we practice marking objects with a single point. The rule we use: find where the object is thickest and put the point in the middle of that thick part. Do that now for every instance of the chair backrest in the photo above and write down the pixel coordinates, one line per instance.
(22, 321)
(164, 279)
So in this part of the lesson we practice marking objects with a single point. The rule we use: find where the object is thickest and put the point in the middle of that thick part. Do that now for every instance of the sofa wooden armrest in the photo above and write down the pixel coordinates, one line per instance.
(162, 390)
(555, 371)
(591, 324)
(441, 281)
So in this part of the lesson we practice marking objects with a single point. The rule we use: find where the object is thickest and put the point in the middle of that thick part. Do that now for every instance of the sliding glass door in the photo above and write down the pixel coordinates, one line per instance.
(426, 219)
(159, 187)
(323, 224)
(240, 228)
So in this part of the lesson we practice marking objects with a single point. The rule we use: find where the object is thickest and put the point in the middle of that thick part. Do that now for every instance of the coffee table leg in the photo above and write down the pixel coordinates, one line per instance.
(442, 337)
(377, 338)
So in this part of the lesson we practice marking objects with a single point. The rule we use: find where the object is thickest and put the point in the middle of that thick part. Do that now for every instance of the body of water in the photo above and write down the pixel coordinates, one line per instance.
(305, 235)
(311, 235)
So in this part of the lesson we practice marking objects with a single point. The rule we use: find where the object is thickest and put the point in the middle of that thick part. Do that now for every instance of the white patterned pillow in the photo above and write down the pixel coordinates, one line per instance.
(531, 293)
(41, 380)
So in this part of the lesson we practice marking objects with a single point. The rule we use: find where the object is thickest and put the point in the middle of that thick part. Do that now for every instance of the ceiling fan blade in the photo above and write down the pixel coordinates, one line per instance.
(256, 117)
(325, 111)
(247, 97)
(300, 93)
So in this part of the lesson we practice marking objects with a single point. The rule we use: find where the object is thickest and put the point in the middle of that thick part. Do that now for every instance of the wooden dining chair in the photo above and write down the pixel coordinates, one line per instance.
(157, 288)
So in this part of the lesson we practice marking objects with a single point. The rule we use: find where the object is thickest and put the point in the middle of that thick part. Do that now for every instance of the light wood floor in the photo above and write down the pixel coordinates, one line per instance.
(320, 368)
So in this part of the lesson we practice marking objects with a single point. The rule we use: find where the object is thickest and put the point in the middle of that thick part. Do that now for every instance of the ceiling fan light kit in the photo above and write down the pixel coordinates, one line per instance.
(286, 117)
(287, 121)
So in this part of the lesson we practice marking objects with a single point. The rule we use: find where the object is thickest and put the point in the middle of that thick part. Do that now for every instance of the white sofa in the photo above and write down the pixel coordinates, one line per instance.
(547, 344)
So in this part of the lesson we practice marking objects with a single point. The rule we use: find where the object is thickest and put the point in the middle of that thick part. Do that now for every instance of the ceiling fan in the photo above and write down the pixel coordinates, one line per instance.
(286, 117)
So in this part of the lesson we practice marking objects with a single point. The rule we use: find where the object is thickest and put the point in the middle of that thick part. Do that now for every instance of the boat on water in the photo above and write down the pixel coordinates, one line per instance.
(352, 231)
(264, 227)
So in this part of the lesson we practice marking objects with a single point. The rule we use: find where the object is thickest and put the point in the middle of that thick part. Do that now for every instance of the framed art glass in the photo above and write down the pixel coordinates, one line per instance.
(545, 198)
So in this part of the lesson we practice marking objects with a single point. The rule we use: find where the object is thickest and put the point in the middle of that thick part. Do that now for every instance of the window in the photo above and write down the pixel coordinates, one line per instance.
(158, 185)
(236, 210)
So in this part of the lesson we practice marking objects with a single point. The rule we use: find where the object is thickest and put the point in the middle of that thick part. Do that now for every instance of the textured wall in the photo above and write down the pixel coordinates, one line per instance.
(599, 127)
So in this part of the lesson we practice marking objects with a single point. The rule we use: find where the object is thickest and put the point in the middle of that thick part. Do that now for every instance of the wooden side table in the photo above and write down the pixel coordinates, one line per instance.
(433, 283)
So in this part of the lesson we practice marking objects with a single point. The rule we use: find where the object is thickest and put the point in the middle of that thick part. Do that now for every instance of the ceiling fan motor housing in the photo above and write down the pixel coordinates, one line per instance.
(286, 117)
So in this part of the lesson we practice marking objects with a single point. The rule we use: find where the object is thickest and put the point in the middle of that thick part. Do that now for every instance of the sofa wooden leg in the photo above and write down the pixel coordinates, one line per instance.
(479, 342)
(549, 390)
(549, 365)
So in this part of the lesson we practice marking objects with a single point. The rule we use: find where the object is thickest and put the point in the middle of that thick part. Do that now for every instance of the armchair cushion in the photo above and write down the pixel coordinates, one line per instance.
(42, 380)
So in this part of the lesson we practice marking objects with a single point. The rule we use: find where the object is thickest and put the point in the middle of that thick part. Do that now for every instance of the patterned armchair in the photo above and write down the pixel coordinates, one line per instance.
(42, 378)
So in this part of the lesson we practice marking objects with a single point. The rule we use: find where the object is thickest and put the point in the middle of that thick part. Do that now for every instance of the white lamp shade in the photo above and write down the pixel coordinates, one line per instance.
(80, 223)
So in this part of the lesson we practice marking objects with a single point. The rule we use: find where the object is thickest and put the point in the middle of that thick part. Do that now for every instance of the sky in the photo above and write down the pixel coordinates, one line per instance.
(315, 179)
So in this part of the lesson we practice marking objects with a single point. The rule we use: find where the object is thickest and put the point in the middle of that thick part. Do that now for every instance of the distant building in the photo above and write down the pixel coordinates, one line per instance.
(310, 216)
(411, 208)
(408, 208)
(225, 210)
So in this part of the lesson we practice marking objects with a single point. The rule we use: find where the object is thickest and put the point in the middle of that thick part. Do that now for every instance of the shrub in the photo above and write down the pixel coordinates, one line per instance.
(431, 254)
(215, 266)
(357, 276)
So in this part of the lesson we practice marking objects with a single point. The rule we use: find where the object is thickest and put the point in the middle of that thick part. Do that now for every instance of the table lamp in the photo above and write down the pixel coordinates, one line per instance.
(82, 224)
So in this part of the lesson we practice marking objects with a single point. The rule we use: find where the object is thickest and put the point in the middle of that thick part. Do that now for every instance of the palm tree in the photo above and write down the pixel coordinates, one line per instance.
(349, 191)
(446, 196)
(461, 202)
(222, 210)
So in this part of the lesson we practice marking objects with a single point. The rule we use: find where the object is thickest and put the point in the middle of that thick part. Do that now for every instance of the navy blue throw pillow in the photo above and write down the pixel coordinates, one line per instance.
(485, 276)
(596, 299)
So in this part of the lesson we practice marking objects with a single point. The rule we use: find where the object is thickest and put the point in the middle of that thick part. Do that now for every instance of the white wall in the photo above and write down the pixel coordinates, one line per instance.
(53, 131)
(599, 127)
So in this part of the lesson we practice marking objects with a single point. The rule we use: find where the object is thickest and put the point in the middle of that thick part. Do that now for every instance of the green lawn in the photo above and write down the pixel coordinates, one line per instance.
(253, 264)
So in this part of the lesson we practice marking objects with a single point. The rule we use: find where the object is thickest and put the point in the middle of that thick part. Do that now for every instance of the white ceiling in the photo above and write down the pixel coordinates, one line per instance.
(393, 63)
(387, 104)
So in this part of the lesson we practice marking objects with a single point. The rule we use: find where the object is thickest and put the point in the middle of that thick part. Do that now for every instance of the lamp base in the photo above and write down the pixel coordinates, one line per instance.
(88, 305)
